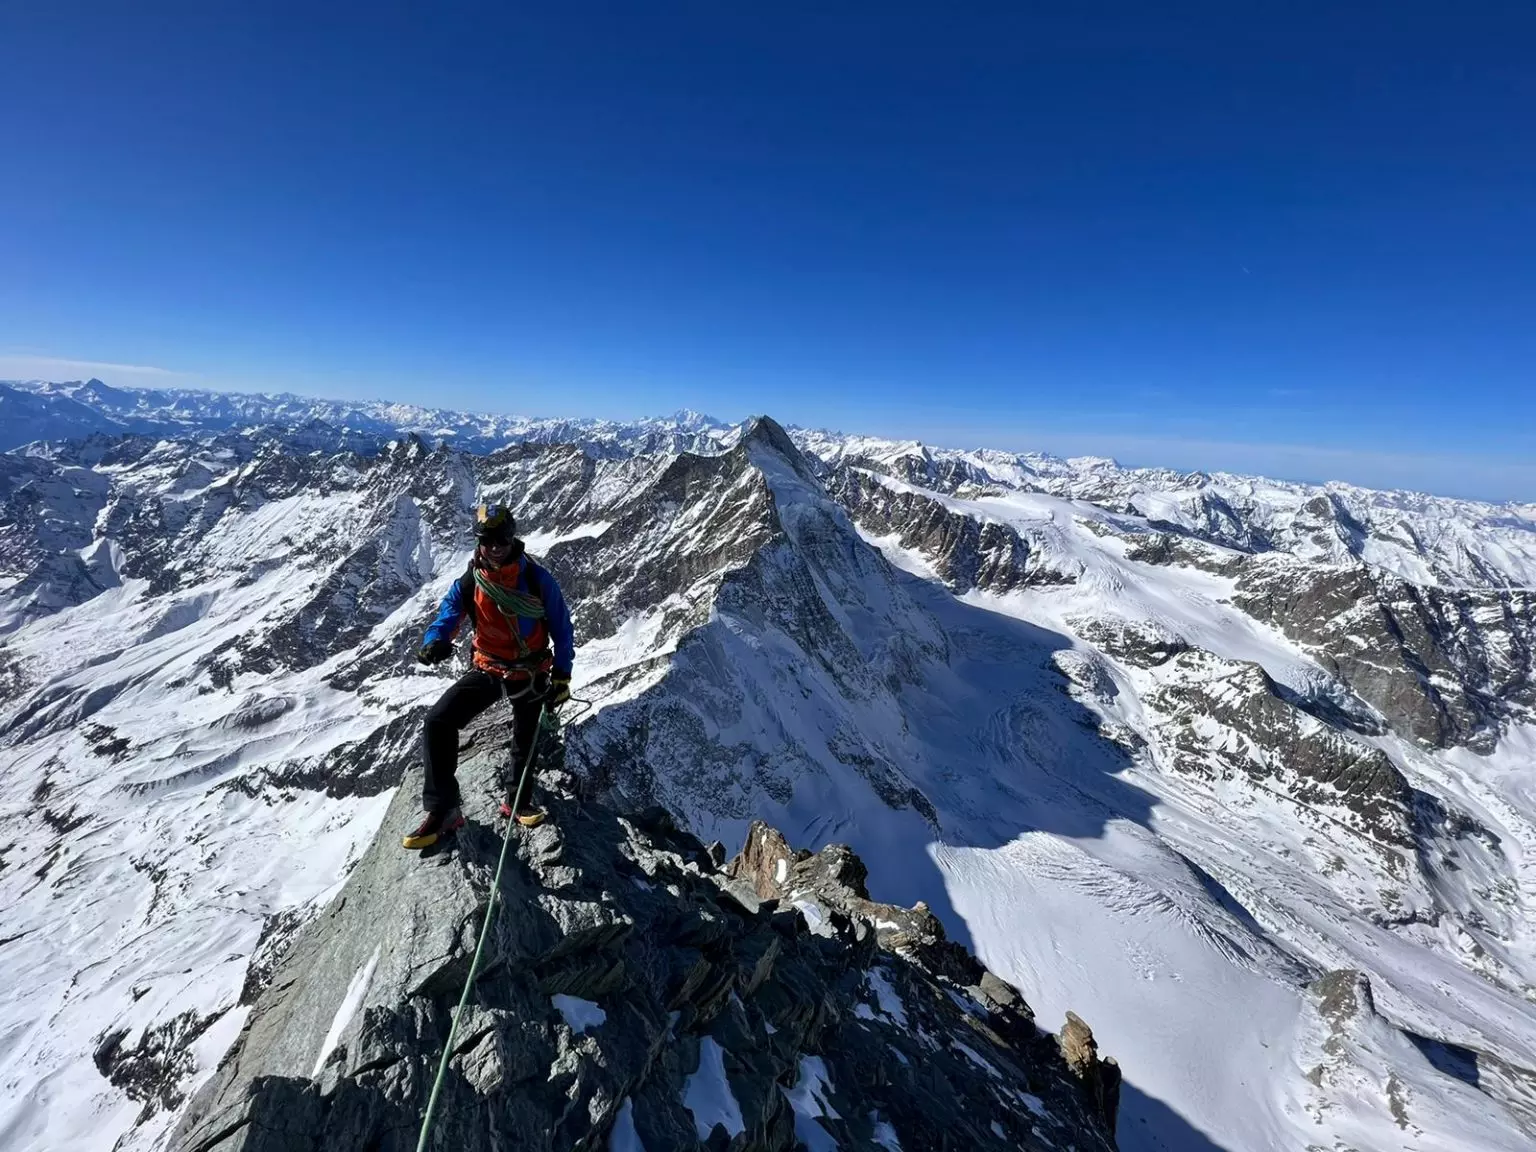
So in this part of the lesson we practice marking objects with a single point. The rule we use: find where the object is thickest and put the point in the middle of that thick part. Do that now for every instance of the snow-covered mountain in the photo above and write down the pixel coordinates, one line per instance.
(32, 410)
(1238, 770)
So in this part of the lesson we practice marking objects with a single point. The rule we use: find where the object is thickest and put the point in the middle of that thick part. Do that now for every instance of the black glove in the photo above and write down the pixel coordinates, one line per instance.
(435, 652)
(559, 690)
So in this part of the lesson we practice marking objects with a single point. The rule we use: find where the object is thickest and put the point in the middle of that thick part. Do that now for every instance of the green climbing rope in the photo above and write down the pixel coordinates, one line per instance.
(485, 929)
(510, 600)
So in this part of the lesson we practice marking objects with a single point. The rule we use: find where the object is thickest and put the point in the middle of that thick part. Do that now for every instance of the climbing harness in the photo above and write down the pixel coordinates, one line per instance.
(536, 684)
(524, 787)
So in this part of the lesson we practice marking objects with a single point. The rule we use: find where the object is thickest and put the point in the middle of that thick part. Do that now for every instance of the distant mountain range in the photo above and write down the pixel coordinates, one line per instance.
(1240, 770)
(41, 410)
(1420, 537)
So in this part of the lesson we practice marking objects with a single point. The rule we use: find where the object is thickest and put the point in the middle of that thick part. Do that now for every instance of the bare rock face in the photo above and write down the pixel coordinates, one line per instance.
(1100, 1078)
(700, 516)
(1140, 643)
(1181, 548)
(834, 880)
(1342, 994)
(1443, 666)
(1271, 742)
(45, 510)
(631, 988)
(967, 552)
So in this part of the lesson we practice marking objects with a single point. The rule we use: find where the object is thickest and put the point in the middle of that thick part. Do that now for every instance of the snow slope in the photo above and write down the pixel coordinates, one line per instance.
(1035, 699)
(1184, 920)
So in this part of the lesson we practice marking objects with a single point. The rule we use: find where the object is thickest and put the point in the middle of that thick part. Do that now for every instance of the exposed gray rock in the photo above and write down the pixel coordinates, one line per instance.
(1444, 666)
(643, 559)
(1137, 642)
(966, 551)
(676, 959)
(1342, 995)
(1270, 741)
(921, 468)
(151, 1072)
(1100, 1078)
(834, 879)
(1181, 548)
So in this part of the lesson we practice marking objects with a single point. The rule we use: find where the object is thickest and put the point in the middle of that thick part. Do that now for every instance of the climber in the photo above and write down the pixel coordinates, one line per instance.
(517, 612)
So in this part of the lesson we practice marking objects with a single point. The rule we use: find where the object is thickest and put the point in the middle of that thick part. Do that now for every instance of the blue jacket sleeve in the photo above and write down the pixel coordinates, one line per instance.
(558, 617)
(449, 613)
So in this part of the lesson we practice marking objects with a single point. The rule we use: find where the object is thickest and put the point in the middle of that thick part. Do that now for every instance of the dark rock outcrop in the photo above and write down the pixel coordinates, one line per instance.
(631, 984)
(1181, 548)
(1270, 741)
(966, 551)
(1443, 666)
(834, 878)
(153, 1070)
(920, 467)
(1100, 1078)
(1141, 643)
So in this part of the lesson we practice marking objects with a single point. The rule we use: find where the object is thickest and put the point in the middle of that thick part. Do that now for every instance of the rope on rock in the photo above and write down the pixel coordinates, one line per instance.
(524, 786)
(524, 779)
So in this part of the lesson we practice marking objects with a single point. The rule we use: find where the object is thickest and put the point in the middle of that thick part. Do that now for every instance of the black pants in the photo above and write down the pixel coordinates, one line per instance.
(469, 696)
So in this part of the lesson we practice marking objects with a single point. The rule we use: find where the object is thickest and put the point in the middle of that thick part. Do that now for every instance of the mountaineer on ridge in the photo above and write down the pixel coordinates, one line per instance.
(517, 612)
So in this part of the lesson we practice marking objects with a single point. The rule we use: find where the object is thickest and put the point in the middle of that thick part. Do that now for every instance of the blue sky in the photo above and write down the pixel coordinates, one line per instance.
(1280, 238)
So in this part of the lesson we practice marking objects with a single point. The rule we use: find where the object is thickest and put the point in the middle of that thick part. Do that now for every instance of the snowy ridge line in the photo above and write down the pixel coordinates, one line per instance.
(770, 635)
(46, 411)
(1422, 537)
(990, 465)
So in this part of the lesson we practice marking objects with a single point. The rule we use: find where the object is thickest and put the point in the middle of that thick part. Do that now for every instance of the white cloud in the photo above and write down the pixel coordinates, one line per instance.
(23, 366)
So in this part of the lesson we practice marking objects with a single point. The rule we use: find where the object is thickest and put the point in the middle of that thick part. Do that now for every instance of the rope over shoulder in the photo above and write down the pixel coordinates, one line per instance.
(510, 600)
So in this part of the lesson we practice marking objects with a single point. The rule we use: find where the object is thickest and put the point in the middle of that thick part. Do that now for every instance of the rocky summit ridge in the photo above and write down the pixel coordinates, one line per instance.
(637, 991)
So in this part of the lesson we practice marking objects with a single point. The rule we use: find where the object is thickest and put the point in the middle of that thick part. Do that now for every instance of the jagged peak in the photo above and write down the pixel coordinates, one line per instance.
(411, 447)
(766, 430)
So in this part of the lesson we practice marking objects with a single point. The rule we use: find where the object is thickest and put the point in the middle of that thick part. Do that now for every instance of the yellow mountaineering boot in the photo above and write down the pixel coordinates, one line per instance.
(436, 826)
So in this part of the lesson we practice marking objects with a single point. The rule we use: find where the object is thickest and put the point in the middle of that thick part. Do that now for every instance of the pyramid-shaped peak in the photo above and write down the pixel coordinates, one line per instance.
(768, 432)
(764, 433)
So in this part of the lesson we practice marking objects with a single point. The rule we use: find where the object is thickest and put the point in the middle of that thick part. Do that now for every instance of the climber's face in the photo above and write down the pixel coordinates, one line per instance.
(496, 551)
